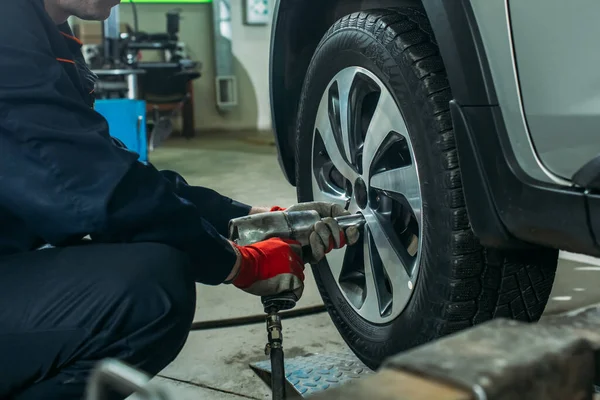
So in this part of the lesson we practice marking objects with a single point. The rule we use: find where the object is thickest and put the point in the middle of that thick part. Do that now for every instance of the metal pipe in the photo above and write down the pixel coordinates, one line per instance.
(112, 375)
(132, 86)
(112, 33)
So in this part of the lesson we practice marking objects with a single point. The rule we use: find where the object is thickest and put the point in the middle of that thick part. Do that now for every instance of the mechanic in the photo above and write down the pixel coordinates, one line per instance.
(129, 292)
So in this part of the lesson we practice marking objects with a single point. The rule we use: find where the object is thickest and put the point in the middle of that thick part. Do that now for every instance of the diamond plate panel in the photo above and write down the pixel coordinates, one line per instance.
(317, 372)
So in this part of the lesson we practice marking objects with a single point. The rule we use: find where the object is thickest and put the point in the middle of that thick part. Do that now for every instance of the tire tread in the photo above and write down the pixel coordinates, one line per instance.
(414, 38)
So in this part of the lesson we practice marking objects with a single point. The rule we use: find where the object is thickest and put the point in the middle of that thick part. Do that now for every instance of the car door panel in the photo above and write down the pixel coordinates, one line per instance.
(557, 58)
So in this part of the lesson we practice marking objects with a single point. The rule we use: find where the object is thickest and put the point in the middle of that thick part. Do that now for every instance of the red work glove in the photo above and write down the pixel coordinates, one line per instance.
(271, 267)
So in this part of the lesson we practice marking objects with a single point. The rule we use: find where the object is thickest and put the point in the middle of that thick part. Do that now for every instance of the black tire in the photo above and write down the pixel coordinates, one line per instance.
(460, 282)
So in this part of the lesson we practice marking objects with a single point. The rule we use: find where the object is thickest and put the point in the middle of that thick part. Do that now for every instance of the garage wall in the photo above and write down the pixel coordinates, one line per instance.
(251, 52)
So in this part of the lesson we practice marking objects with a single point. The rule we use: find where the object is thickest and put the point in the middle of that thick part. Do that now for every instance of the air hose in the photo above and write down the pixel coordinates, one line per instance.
(255, 319)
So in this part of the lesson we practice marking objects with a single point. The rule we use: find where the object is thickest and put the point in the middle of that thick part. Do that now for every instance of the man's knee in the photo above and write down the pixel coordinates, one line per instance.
(168, 269)
(155, 304)
(133, 302)
(147, 270)
(164, 288)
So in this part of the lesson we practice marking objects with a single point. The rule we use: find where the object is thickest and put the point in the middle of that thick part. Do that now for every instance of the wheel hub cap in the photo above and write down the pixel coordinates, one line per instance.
(363, 160)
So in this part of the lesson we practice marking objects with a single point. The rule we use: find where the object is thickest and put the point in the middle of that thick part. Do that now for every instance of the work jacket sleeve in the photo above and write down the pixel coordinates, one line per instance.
(217, 209)
(63, 176)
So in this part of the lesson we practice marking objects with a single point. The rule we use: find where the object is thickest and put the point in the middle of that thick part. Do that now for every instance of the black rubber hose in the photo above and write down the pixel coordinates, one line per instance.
(254, 319)
(277, 374)
(136, 23)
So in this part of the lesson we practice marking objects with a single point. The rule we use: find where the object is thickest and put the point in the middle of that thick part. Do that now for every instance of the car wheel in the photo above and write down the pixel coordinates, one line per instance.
(374, 133)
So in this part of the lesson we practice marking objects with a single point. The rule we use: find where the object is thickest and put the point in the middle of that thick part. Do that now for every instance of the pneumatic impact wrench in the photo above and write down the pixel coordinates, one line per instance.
(296, 225)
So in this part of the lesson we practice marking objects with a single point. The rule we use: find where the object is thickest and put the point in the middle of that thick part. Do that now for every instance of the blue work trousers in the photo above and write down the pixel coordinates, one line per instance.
(64, 309)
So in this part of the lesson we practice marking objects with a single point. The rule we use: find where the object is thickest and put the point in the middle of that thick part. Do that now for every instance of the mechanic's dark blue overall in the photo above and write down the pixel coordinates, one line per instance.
(130, 293)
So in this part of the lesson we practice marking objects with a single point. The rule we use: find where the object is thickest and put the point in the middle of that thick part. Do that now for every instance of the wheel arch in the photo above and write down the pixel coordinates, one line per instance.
(293, 45)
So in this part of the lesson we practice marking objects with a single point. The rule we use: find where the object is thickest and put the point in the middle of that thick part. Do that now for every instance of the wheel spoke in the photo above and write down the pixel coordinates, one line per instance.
(384, 295)
(323, 126)
(344, 82)
(386, 119)
(403, 181)
(394, 256)
(335, 259)
(371, 306)
(319, 194)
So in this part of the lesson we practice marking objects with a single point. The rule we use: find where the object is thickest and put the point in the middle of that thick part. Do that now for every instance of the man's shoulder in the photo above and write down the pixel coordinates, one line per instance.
(23, 15)
(30, 9)
(27, 50)
(26, 31)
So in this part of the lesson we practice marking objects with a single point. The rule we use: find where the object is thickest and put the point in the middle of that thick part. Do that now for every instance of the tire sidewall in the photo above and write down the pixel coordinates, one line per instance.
(352, 47)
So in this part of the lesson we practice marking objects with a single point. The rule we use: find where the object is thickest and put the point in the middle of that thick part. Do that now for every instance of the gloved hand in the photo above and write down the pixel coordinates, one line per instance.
(327, 234)
(270, 267)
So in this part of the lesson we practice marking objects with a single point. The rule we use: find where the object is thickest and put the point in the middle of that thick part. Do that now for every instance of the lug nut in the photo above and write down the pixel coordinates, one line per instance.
(376, 201)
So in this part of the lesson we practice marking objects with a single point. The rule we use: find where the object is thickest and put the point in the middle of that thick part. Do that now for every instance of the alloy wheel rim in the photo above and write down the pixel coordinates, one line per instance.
(363, 159)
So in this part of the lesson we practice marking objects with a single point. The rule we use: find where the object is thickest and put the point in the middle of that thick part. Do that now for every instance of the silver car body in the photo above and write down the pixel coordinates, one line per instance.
(526, 105)
(544, 67)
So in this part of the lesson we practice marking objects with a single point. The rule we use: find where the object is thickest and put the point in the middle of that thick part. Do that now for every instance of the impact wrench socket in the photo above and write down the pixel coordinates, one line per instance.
(298, 226)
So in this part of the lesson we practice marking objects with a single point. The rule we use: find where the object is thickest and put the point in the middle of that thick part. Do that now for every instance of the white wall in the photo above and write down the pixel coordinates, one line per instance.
(251, 51)
(251, 46)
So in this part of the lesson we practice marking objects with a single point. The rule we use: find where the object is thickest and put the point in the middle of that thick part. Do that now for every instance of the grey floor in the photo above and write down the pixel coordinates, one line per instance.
(214, 363)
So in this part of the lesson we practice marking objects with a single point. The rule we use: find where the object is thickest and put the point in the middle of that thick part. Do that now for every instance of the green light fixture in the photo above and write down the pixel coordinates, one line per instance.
(172, 1)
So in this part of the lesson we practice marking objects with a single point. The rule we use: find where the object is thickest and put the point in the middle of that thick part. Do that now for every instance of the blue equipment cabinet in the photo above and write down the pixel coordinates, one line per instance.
(127, 122)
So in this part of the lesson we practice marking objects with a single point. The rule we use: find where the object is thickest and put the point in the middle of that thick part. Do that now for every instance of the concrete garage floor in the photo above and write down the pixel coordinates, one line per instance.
(214, 363)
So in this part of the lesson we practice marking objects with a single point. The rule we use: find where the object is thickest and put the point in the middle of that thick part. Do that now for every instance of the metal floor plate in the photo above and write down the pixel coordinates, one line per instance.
(316, 372)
